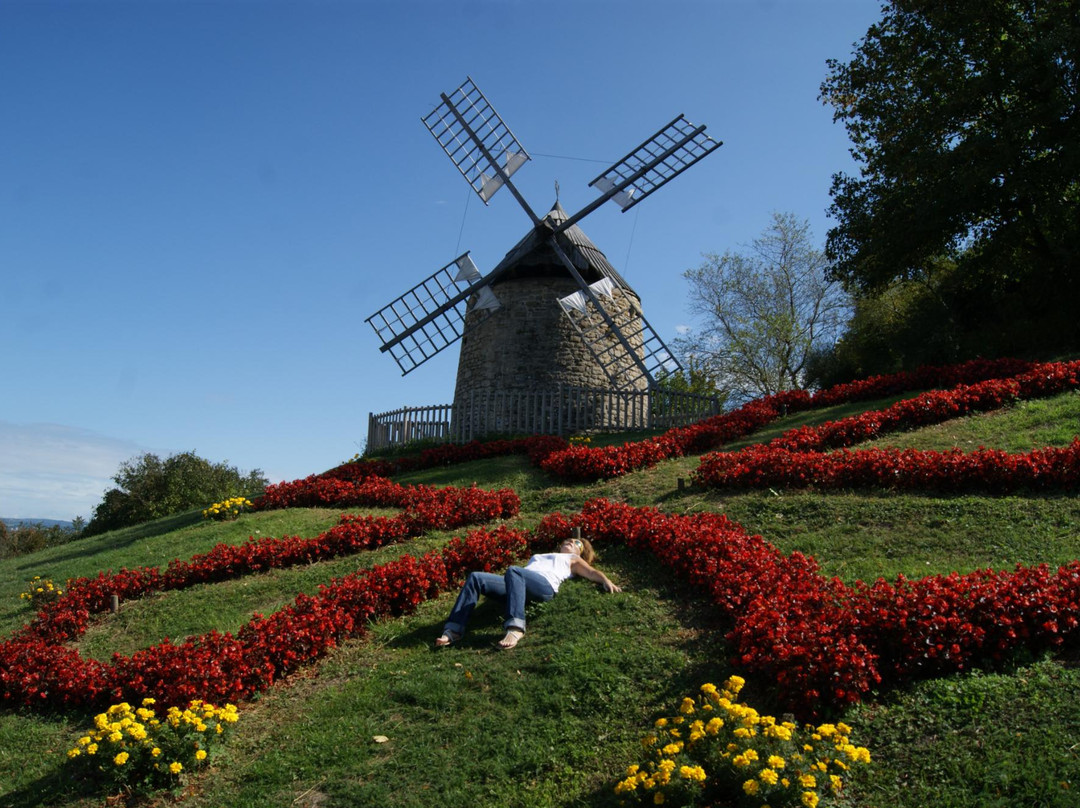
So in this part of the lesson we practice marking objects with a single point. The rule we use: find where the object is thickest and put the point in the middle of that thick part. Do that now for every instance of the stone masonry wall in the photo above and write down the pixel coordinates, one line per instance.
(528, 344)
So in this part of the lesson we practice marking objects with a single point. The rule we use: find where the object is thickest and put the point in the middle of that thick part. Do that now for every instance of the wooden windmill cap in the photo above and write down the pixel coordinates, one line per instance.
(534, 255)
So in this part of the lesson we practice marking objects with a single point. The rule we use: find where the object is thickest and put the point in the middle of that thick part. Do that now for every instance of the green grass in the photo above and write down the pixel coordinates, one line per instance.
(555, 722)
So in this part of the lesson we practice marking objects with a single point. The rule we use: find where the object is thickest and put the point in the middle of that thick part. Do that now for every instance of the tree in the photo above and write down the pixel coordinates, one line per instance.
(150, 488)
(764, 312)
(963, 116)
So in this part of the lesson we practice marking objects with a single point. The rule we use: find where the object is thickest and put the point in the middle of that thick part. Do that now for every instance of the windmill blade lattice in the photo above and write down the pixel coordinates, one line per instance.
(476, 139)
(431, 315)
(625, 371)
(654, 163)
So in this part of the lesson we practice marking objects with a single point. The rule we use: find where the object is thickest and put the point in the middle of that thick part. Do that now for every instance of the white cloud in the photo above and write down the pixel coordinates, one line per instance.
(682, 330)
(52, 471)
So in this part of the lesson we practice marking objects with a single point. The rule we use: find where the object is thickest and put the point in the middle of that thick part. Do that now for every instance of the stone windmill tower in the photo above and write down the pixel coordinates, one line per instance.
(554, 312)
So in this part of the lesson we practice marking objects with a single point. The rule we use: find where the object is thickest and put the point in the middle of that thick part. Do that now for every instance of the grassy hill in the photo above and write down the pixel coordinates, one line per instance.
(556, 721)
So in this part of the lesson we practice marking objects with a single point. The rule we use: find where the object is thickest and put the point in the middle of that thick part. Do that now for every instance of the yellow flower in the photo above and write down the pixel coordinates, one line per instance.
(776, 762)
(807, 781)
(74, 753)
(176, 767)
(778, 731)
(751, 787)
(200, 755)
(695, 773)
(658, 799)
(809, 799)
(768, 776)
(155, 752)
(687, 706)
(121, 759)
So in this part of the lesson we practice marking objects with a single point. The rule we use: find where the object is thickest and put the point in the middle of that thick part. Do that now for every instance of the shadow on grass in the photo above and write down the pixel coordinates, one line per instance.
(124, 537)
(54, 788)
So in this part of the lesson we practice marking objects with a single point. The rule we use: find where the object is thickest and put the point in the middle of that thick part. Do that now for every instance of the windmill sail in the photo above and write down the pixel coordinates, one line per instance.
(431, 316)
(476, 139)
(625, 370)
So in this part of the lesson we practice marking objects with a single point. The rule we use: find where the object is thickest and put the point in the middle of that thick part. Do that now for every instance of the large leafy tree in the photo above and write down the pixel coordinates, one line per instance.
(150, 488)
(963, 118)
(764, 311)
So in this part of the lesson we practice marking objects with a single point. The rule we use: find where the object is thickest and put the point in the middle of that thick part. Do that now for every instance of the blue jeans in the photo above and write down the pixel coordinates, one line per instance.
(516, 587)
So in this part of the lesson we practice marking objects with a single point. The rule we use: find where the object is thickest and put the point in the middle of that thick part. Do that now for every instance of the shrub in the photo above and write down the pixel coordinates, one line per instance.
(150, 488)
(227, 509)
(30, 537)
(134, 750)
(715, 747)
(41, 591)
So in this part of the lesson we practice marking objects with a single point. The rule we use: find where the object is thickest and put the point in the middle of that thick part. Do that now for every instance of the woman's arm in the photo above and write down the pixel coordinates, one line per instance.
(579, 567)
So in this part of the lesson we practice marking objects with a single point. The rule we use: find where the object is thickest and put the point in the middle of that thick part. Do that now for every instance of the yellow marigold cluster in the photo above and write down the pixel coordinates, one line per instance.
(136, 749)
(227, 509)
(579, 440)
(716, 744)
(41, 591)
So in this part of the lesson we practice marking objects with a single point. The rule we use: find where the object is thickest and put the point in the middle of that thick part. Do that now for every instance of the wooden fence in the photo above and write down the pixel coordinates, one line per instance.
(564, 411)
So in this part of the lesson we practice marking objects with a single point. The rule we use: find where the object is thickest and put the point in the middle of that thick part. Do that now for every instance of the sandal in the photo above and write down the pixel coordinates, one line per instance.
(511, 639)
(447, 638)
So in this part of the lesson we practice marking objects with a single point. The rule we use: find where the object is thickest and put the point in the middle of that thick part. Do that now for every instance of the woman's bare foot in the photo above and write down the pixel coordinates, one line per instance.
(511, 639)
(447, 638)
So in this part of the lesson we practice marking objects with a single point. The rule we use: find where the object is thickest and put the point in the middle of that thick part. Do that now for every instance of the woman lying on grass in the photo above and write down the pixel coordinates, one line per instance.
(537, 580)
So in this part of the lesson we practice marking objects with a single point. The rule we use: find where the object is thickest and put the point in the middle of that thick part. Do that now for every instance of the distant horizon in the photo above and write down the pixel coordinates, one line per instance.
(15, 521)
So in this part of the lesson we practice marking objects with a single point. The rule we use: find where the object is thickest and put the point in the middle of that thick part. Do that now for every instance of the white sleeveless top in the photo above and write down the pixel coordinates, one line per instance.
(555, 567)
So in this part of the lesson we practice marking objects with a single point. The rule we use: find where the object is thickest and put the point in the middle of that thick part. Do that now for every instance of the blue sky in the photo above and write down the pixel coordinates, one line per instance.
(201, 202)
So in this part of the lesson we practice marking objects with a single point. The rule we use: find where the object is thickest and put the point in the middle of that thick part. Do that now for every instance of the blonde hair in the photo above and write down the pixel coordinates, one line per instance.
(588, 554)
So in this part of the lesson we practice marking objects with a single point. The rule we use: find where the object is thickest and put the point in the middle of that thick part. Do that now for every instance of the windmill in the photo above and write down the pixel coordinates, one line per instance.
(554, 309)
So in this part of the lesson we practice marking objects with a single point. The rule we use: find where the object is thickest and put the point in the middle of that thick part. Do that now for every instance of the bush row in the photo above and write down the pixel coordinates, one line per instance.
(584, 464)
(796, 458)
(37, 669)
(826, 644)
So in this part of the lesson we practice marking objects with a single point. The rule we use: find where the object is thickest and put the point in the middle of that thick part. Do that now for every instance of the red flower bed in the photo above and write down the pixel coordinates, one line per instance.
(35, 670)
(934, 407)
(985, 470)
(586, 464)
(537, 447)
(795, 458)
(823, 643)
(35, 666)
